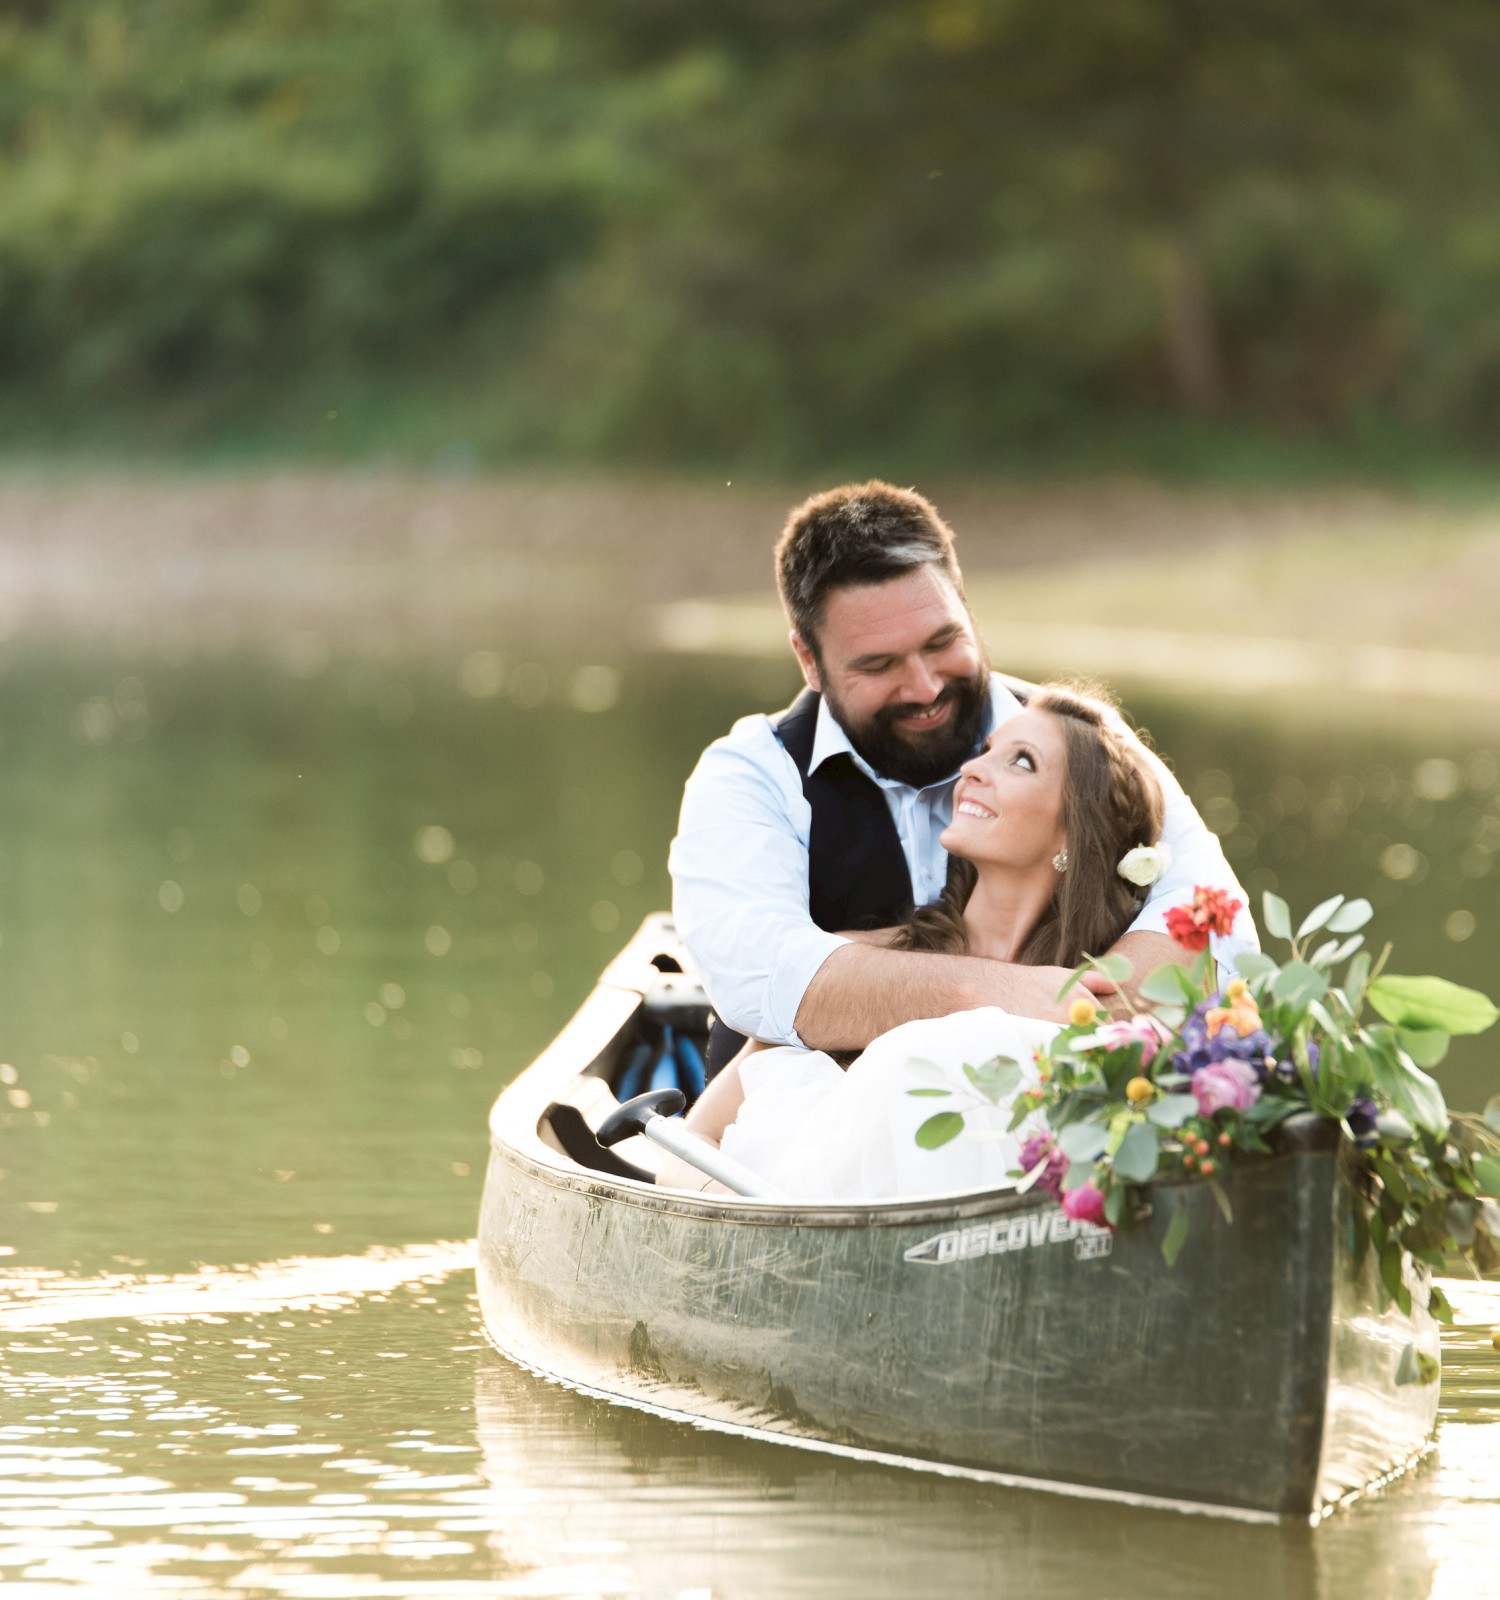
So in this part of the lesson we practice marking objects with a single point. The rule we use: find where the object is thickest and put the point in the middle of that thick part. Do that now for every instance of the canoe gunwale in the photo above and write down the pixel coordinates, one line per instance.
(607, 1011)
(561, 1173)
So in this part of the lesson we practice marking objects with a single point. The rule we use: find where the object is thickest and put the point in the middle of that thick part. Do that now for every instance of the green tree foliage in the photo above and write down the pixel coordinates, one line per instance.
(760, 228)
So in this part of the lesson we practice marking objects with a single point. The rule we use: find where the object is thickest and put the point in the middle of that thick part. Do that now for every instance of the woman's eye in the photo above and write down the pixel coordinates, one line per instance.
(1024, 760)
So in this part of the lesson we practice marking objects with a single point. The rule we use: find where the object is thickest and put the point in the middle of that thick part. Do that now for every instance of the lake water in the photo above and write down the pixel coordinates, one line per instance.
(274, 928)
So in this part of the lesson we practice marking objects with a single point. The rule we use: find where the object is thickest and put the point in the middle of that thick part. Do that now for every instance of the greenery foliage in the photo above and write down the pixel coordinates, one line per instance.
(758, 230)
(1203, 1074)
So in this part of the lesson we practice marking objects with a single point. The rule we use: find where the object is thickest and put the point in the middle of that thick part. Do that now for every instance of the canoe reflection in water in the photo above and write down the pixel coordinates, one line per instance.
(624, 1502)
(1258, 1378)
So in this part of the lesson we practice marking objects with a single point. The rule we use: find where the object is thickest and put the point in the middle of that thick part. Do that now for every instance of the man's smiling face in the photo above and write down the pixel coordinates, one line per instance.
(903, 670)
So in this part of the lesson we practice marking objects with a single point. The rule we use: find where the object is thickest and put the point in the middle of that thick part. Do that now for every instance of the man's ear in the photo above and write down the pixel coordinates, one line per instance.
(807, 661)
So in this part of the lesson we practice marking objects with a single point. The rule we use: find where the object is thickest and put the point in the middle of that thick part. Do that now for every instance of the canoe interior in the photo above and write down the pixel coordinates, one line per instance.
(981, 1331)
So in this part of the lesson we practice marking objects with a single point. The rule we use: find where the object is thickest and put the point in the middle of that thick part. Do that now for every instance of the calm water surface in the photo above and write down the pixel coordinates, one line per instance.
(273, 930)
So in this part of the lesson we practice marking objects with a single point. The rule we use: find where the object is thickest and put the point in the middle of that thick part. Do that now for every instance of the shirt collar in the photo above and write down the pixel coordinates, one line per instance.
(829, 738)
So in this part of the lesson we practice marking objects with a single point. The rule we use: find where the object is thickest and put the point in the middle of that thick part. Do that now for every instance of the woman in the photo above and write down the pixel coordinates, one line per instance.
(1041, 822)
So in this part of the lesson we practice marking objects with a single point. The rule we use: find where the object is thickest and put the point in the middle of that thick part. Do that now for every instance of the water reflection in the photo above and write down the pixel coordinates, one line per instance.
(372, 1445)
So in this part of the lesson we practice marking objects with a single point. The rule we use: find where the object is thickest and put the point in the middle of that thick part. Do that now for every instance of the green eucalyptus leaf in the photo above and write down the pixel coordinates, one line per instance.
(1118, 969)
(928, 1093)
(995, 1078)
(1253, 964)
(1277, 916)
(1297, 983)
(1319, 916)
(1170, 985)
(1140, 1150)
(1351, 915)
(1172, 1110)
(1426, 1046)
(1072, 979)
(1357, 977)
(1114, 1205)
(1175, 1236)
(1324, 954)
(928, 1071)
(1432, 1003)
(1083, 1142)
(940, 1130)
(1221, 1200)
(1346, 949)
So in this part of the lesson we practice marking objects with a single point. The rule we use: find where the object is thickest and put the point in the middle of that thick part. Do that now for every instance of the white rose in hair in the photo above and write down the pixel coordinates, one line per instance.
(1145, 864)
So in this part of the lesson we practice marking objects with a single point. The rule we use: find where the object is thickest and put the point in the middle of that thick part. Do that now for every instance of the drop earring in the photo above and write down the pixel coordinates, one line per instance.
(1060, 861)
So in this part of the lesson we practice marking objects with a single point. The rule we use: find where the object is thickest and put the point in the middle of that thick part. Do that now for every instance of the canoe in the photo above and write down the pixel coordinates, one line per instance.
(984, 1334)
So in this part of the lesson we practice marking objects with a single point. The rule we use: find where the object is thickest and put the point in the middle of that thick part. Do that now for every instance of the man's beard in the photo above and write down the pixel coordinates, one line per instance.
(919, 758)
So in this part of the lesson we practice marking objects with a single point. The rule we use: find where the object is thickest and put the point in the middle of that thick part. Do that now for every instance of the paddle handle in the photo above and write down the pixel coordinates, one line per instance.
(671, 1135)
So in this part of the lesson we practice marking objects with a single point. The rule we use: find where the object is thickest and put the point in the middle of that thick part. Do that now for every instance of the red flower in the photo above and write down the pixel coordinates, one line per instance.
(1211, 911)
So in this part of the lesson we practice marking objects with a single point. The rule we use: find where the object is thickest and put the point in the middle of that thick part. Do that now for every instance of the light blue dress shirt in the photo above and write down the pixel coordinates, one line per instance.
(739, 866)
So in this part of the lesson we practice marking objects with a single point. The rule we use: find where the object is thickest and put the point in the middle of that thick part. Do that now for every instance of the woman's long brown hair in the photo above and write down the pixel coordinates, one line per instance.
(1111, 803)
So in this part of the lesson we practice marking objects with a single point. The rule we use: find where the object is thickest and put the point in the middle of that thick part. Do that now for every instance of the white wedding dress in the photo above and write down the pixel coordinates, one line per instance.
(817, 1132)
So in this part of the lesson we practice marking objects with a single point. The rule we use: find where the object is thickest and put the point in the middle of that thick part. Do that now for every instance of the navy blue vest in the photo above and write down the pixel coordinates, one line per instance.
(857, 875)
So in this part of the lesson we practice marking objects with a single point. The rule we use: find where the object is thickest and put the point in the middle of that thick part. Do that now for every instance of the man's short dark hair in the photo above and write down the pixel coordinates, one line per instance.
(860, 533)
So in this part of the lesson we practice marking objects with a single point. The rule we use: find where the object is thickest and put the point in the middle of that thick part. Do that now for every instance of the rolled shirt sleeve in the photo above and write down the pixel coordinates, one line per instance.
(740, 883)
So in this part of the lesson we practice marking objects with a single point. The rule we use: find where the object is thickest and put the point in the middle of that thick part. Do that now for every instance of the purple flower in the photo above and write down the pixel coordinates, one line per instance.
(1084, 1204)
(1286, 1069)
(1202, 1049)
(1234, 1084)
(1039, 1147)
(1360, 1120)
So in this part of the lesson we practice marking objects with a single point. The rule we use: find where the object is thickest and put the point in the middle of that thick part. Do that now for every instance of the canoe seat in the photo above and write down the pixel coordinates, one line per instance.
(575, 1138)
(568, 1124)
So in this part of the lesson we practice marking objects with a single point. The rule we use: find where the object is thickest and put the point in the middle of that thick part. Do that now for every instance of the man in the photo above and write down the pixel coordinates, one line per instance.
(798, 829)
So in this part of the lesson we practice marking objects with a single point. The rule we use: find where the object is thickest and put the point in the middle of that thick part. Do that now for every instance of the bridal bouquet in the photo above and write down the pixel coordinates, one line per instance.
(1201, 1072)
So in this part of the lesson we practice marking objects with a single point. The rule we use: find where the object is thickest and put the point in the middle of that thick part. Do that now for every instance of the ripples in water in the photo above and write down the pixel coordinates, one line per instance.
(326, 1430)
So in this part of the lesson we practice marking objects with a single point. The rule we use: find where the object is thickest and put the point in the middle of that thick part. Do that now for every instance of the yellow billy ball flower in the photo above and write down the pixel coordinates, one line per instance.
(1082, 1012)
(1139, 1090)
(1237, 987)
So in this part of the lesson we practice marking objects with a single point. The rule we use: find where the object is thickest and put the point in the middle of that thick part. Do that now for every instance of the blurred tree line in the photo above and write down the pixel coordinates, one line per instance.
(757, 230)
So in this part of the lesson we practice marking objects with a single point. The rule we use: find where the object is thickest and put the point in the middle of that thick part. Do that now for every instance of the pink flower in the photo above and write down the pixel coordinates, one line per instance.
(1084, 1204)
(1235, 1084)
(1130, 1030)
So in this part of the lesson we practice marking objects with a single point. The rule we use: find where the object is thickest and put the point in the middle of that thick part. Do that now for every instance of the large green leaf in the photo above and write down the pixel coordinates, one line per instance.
(1426, 1046)
(1278, 916)
(1139, 1152)
(1405, 1085)
(1487, 1174)
(1432, 1003)
(940, 1130)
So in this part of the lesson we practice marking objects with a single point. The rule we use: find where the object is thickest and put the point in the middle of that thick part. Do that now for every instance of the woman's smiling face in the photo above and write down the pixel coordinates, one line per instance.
(1007, 806)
